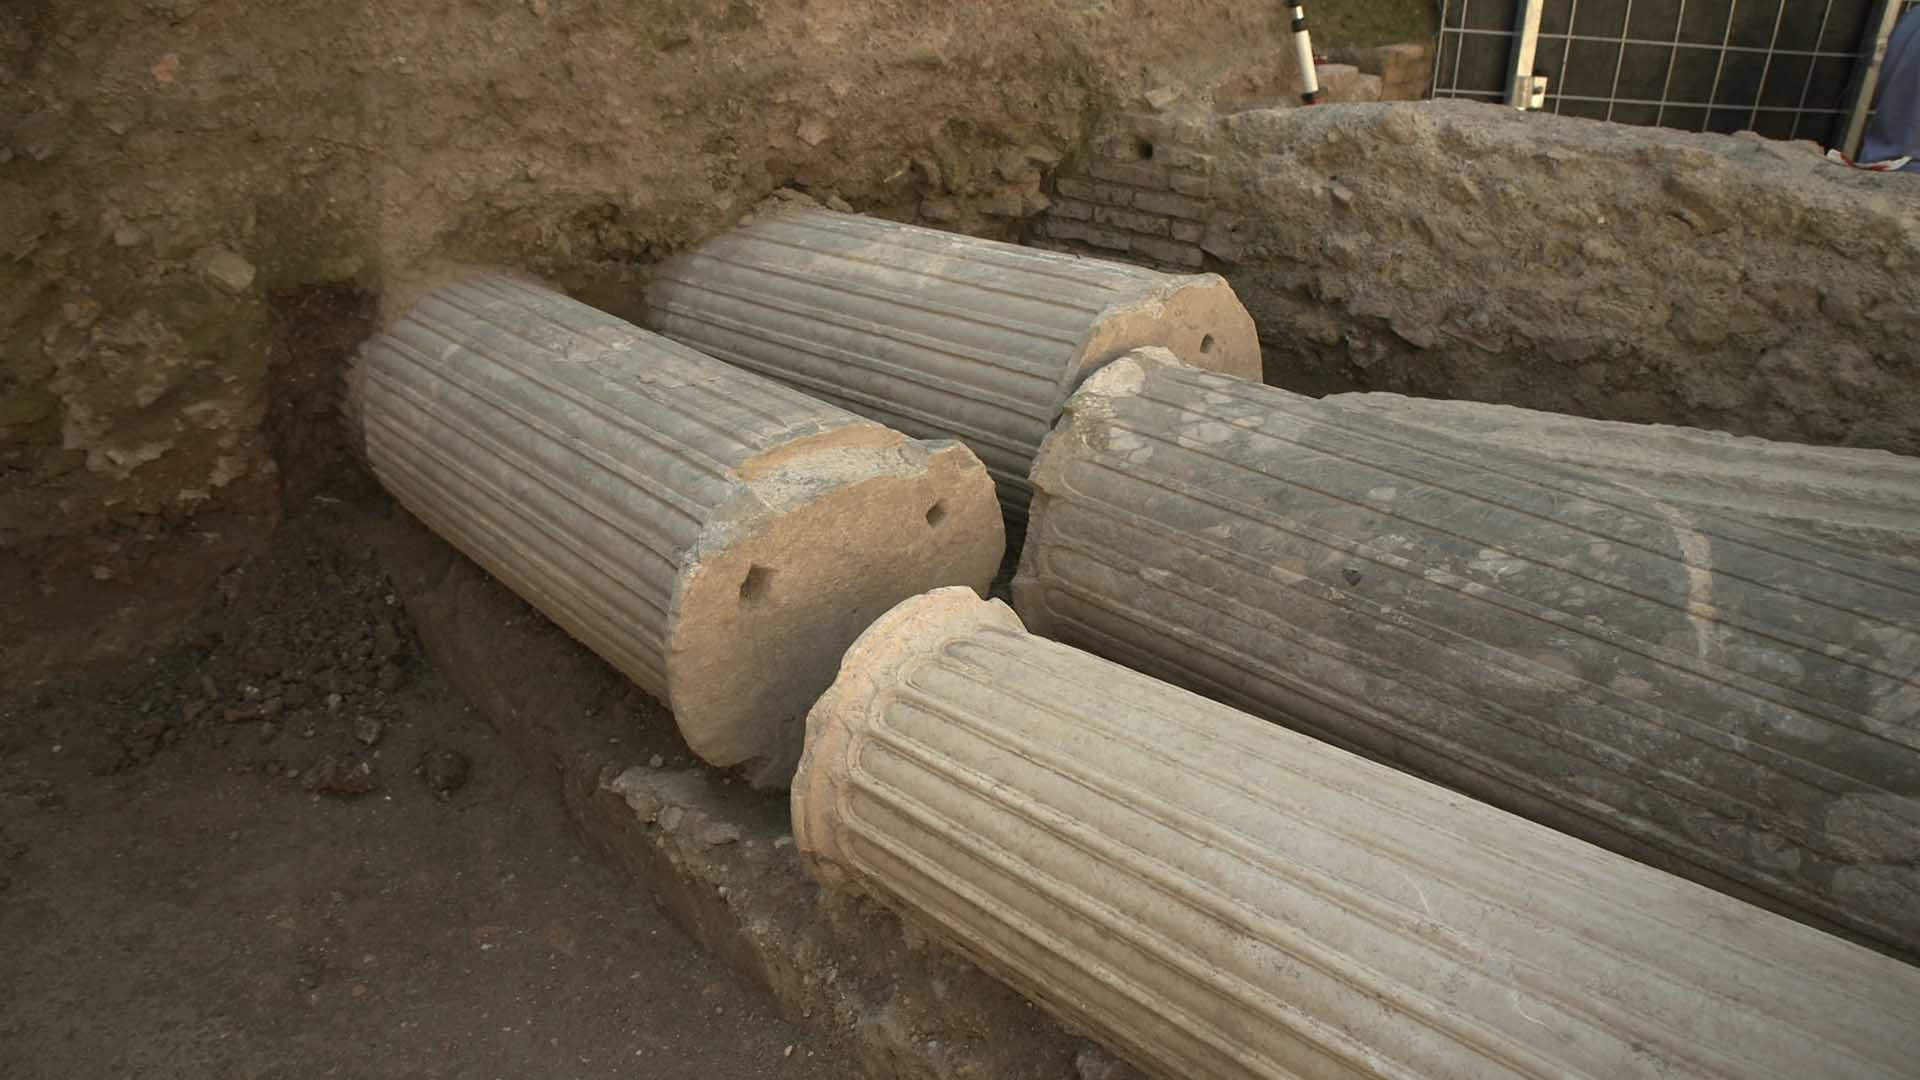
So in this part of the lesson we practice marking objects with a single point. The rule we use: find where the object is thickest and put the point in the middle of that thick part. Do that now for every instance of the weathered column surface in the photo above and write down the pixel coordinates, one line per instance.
(1868, 500)
(1734, 704)
(1217, 897)
(936, 334)
(717, 537)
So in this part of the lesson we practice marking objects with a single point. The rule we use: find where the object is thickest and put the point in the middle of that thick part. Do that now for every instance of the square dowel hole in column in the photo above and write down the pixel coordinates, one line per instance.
(755, 586)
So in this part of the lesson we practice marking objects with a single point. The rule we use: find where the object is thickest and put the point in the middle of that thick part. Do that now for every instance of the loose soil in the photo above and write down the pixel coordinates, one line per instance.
(288, 849)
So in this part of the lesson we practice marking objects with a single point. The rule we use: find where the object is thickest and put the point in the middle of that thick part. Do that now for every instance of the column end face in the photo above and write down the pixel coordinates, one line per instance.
(881, 657)
(790, 571)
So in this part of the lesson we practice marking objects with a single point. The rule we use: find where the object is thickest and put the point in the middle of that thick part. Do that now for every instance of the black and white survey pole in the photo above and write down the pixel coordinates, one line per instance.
(1303, 48)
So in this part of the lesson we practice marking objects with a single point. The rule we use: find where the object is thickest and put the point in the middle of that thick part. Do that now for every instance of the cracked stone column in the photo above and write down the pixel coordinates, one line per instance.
(1868, 500)
(936, 334)
(716, 536)
(1728, 702)
(1218, 897)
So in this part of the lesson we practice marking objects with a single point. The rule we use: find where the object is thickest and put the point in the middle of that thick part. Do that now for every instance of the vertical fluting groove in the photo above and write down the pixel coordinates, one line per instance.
(1866, 499)
(753, 330)
(528, 570)
(1735, 704)
(771, 408)
(1116, 515)
(1397, 450)
(1897, 615)
(934, 350)
(597, 406)
(1585, 744)
(660, 540)
(717, 536)
(1196, 833)
(941, 335)
(906, 300)
(551, 552)
(997, 262)
(604, 556)
(573, 456)
(1220, 897)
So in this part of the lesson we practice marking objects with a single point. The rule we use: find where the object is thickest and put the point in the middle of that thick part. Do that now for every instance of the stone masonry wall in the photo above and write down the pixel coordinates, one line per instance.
(1141, 196)
(1469, 251)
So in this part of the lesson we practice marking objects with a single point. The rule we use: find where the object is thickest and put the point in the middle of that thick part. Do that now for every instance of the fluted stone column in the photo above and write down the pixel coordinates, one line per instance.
(716, 536)
(936, 334)
(1728, 702)
(1218, 897)
(1867, 500)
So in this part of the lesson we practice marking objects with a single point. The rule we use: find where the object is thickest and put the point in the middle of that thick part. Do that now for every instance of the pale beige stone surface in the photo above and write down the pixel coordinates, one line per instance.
(716, 536)
(1219, 897)
(936, 334)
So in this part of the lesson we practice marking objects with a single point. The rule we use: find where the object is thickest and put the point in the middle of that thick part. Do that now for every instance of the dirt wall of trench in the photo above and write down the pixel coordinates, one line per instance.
(202, 203)
(1469, 251)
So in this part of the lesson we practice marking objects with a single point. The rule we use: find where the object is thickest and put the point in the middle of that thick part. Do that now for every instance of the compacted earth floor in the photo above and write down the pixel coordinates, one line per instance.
(286, 848)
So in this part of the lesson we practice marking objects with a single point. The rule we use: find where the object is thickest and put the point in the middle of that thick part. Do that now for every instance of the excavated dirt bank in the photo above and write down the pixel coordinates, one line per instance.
(1457, 250)
(289, 848)
(194, 186)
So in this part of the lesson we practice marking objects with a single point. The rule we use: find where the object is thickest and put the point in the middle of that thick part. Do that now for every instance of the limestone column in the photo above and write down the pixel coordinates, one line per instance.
(936, 334)
(1868, 500)
(1728, 702)
(1219, 898)
(717, 537)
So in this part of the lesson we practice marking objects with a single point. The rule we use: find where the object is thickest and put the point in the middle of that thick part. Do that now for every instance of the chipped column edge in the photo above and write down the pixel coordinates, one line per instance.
(1081, 417)
(828, 762)
(1245, 362)
(791, 479)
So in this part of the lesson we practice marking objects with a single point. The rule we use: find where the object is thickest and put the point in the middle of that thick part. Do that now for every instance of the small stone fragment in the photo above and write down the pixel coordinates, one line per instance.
(228, 270)
(387, 643)
(644, 804)
(814, 132)
(333, 775)
(368, 729)
(719, 833)
(1094, 1062)
(445, 771)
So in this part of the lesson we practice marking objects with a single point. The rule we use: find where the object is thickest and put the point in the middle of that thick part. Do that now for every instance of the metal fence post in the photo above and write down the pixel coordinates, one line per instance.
(1526, 40)
(1866, 75)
